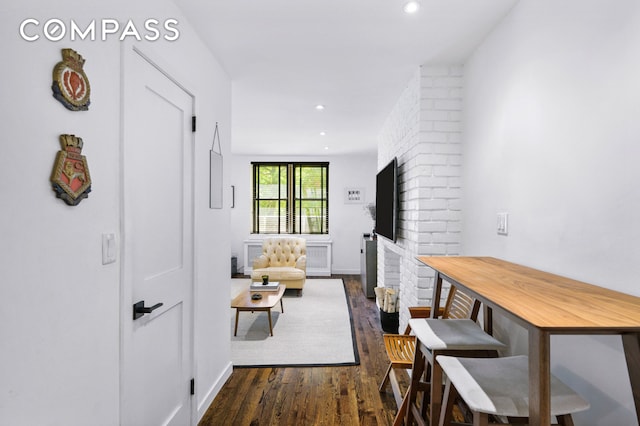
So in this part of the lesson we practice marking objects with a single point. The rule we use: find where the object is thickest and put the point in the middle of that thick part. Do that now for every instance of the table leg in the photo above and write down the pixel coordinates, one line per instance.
(539, 377)
(235, 329)
(631, 345)
(435, 297)
(270, 324)
(488, 319)
(281, 306)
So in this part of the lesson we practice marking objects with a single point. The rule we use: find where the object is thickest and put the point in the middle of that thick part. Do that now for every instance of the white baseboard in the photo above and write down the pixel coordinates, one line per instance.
(346, 271)
(333, 272)
(206, 402)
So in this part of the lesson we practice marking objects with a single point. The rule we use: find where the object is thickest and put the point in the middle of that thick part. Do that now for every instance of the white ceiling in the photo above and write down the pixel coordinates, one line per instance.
(353, 56)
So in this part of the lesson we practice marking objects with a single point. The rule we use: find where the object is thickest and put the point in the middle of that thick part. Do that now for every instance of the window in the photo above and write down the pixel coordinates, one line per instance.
(290, 198)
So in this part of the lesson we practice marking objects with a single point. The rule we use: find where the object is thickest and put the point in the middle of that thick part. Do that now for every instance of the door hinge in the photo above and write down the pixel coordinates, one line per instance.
(193, 386)
(193, 123)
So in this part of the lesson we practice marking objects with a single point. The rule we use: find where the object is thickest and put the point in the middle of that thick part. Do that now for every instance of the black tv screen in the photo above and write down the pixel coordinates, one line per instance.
(387, 200)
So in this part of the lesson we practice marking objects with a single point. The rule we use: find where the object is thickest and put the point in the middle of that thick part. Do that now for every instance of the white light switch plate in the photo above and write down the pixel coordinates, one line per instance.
(503, 223)
(109, 251)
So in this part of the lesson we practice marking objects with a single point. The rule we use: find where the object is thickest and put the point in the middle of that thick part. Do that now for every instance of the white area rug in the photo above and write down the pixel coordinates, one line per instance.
(315, 329)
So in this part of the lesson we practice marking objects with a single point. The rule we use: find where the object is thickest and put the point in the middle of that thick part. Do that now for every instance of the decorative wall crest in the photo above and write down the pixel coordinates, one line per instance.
(70, 178)
(70, 84)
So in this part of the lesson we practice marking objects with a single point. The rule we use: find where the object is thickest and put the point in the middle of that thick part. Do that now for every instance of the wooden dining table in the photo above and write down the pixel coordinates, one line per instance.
(544, 304)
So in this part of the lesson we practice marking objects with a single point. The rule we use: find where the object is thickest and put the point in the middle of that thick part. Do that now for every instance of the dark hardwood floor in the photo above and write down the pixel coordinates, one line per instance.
(314, 395)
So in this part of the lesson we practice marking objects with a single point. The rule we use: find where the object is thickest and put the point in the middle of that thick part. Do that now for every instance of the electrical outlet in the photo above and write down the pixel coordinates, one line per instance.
(503, 223)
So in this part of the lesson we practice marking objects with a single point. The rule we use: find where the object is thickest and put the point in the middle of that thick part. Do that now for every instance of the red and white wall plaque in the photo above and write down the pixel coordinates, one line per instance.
(70, 84)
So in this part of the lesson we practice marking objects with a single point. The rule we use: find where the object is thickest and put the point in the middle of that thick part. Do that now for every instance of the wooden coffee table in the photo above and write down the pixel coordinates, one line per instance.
(244, 302)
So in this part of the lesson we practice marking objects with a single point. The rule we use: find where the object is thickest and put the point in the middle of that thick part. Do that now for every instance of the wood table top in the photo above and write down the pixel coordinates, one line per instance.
(541, 299)
(269, 298)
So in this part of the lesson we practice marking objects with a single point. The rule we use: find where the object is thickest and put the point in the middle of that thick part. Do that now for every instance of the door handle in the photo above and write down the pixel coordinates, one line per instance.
(139, 309)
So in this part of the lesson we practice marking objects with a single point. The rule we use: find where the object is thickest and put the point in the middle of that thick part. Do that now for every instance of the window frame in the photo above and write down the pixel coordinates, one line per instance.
(292, 197)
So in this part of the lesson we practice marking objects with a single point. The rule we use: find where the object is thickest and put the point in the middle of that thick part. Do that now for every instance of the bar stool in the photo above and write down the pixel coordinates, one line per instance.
(500, 387)
(401, 348)
(455, 337)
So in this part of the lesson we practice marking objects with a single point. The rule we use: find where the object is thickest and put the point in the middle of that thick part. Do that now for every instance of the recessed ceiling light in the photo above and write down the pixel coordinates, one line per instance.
(323, 133)
(326, 148)
(411, 6)
(319, 107)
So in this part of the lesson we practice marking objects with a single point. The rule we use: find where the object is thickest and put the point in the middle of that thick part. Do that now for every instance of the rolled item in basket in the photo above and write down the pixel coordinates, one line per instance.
(379, 296)
(390, 300)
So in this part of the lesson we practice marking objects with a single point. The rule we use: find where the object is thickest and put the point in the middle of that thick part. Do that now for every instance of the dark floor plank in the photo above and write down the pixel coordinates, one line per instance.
(314, 395)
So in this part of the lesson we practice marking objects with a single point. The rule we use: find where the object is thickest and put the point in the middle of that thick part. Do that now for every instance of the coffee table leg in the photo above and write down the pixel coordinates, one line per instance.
(235, 330)
(281, 306)
(270, 325)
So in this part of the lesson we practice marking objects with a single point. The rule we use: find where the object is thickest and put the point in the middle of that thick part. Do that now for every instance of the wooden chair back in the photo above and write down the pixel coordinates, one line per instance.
(460, 305)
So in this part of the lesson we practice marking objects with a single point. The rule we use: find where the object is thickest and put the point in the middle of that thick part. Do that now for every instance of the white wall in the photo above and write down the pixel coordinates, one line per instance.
(59, 306)
(551, 136)
(347, 222)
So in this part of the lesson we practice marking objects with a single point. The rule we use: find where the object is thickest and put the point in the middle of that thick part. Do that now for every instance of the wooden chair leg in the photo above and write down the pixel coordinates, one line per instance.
(425, 387)
(416, 375)
(391, 378)
(424, 407)
(385, 380)
(480, 419)
(448, 399)
(435, 397)
(565, 420)
(402, 411)
(395, 386)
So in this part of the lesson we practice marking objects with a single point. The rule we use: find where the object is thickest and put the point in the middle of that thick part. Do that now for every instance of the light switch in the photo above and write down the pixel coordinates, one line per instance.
(503, 223)
(109, 251)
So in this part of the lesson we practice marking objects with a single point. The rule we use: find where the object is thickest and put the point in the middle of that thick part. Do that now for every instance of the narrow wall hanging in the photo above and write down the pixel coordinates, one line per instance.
(70, 84)
(215, 173)
(70, 178)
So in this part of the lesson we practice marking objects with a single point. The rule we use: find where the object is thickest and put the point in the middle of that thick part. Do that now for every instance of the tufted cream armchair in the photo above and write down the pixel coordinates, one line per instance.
(283, 259)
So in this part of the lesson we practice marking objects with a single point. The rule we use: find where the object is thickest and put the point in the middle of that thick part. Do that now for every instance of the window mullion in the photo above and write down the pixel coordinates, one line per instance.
(278, 202)
(290, 199)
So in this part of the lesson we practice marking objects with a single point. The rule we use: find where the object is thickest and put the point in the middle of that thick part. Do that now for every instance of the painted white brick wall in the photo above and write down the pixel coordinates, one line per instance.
(424, 132)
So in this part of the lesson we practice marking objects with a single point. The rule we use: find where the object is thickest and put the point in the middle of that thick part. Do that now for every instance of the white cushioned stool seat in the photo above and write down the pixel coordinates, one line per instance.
(453, 334)
(455, 337)
(500, 386)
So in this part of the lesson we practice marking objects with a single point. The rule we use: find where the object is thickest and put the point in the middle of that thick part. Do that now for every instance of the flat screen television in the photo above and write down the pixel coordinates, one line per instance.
(387, 201)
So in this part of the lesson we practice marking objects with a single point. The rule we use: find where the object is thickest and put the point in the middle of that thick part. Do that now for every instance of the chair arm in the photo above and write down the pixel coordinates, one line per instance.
(301, 263)
(260, 262)
(421, 312)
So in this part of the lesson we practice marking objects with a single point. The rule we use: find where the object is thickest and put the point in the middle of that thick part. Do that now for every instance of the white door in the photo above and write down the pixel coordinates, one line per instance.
(157, 347)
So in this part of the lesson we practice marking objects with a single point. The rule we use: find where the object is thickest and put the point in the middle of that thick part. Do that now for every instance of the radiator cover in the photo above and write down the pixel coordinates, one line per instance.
(318, 256)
